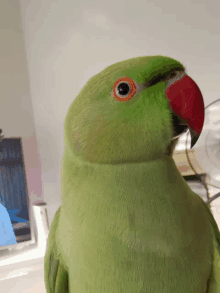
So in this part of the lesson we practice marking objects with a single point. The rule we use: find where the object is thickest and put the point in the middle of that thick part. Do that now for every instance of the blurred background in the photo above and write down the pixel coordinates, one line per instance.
(48, 51)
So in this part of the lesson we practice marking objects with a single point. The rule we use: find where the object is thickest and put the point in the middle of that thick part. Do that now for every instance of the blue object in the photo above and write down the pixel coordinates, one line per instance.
(7, 235)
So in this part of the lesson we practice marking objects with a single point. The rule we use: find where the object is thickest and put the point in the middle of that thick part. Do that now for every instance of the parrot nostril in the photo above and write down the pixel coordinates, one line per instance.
(173, 74)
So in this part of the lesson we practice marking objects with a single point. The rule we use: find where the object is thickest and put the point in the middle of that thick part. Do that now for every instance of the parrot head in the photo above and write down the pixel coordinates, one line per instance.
(134, 111)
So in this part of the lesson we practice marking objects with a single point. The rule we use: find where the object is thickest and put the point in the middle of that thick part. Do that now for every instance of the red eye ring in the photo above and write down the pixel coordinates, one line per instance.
(132, 89)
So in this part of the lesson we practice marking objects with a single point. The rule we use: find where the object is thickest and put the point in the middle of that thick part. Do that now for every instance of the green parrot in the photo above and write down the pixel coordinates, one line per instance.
(129, 222)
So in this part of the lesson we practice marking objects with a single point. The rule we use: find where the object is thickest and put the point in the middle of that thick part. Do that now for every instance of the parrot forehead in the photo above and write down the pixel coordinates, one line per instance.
(142, 68)
(147, 64)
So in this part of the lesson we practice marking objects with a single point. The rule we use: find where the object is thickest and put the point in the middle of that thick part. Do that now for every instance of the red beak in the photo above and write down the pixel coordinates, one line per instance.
(187, 103)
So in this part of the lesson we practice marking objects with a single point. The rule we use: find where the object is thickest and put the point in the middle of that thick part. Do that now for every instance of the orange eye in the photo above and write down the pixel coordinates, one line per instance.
(124, 89)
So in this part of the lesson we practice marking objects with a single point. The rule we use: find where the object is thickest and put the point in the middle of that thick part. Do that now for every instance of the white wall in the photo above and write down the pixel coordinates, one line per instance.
(16, 111)
(69, 41)
(17, 120)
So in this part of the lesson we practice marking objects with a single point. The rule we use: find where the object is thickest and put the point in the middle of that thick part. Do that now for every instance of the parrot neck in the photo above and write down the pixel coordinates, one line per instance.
(149, 180)
(123, 201)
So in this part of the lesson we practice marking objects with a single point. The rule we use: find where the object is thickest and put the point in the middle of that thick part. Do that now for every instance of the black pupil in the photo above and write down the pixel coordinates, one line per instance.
(123, 88)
